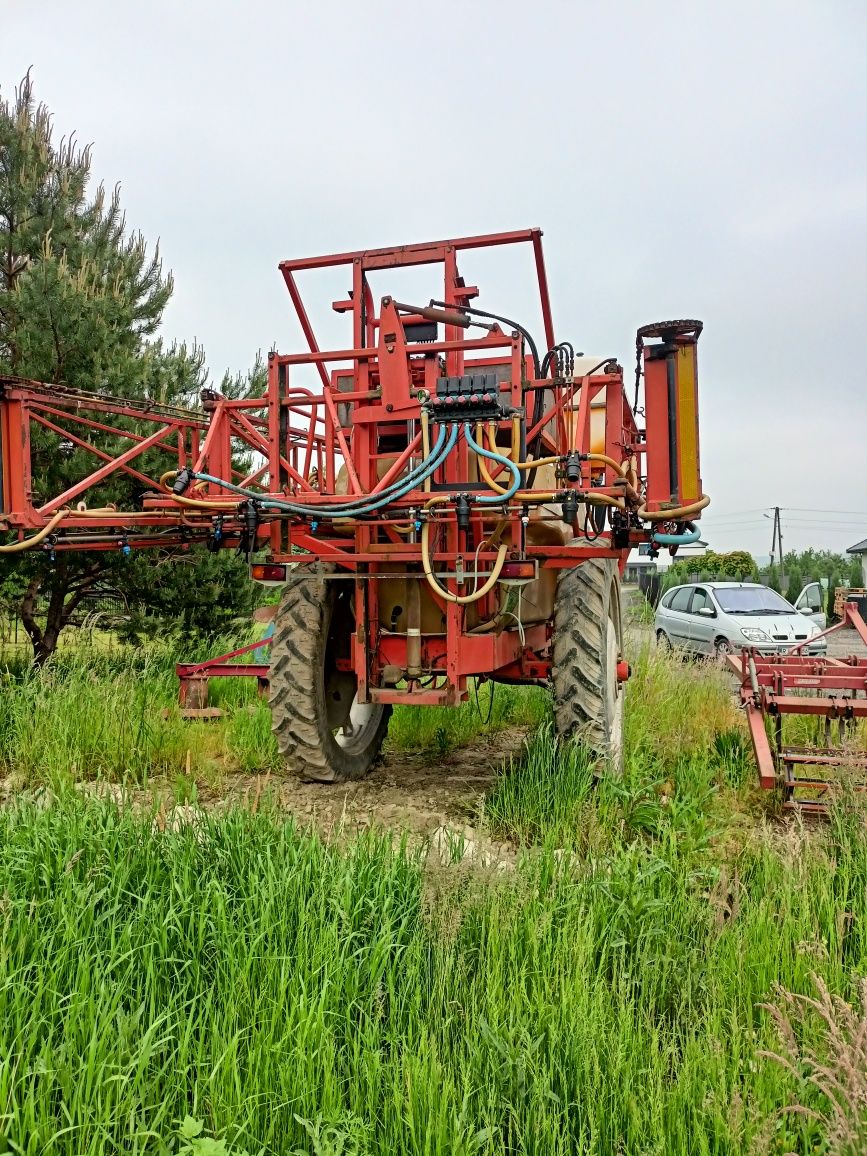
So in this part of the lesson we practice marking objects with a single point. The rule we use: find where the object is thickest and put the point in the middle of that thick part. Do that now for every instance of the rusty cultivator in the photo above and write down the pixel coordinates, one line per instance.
(824, 700)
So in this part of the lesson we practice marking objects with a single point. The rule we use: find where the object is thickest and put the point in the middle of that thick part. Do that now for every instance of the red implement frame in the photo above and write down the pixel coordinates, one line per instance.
(168, 438)
(831, 691)
(386, 371)
(193, 678)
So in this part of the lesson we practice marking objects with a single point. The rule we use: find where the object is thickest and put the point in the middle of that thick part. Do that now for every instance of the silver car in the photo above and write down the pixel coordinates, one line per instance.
(720, 617)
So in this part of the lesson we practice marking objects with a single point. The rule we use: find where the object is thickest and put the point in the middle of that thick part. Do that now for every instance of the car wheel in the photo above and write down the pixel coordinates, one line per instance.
(721, 648)
(663, 642)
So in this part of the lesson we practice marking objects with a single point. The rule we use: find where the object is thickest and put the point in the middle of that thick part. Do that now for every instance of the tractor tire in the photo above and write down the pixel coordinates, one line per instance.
(588, 640)
(324, 735)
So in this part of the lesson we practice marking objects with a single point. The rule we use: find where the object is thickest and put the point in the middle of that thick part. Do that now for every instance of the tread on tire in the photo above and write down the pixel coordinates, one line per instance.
(588, 640)
(312, 701)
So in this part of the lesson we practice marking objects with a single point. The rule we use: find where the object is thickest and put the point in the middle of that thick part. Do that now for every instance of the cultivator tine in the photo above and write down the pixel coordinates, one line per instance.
(780, 689)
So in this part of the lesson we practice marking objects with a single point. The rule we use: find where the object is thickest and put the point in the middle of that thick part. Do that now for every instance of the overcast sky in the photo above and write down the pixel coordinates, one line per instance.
(683, 159)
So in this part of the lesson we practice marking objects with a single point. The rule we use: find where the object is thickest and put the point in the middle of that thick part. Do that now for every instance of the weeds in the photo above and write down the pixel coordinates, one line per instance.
(834, 1066)
(114, 715)
(680, 741)
(543, 792)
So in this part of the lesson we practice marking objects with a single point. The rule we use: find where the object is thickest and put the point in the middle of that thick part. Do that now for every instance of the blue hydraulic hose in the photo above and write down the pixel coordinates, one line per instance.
(498, 499)
(419, 472)
(409, 483)
(362, 505)
(690, 535)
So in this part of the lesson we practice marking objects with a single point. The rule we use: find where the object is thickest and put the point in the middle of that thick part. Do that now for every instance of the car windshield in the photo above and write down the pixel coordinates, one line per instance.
(752, 600)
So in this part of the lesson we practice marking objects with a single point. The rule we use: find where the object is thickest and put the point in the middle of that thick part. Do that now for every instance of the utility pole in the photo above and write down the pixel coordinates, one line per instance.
(777, 542)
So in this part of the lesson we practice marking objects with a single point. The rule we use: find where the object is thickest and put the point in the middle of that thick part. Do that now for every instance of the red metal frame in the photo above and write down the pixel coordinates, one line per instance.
(774, 687)
(298, 443)
(207, 440)
(193, 677)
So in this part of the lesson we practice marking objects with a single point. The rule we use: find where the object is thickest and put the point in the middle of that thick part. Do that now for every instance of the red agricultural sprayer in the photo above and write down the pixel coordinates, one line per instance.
(448, 499)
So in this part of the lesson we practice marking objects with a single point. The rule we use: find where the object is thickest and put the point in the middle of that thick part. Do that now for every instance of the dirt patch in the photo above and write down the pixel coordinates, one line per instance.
(427, 797)
(433, 802)
(417, 793)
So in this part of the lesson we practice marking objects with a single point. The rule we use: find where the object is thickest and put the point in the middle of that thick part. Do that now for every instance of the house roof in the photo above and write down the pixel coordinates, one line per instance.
(858, 548)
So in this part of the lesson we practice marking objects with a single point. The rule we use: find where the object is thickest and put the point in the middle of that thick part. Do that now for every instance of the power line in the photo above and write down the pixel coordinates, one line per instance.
(848, 526)
(801, 527)
(739, 513)
(751, 516)
(734, 522)
(810, 510)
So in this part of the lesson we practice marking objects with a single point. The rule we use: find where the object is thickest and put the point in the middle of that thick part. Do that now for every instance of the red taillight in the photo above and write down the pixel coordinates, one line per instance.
(519, 571)
(268, 572)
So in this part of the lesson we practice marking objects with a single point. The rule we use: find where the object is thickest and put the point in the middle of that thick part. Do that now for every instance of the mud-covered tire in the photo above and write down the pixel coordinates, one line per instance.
(312, 628)
(588, 641)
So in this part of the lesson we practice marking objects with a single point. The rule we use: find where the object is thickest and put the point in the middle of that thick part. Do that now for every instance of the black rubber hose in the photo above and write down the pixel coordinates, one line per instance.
(525, 333)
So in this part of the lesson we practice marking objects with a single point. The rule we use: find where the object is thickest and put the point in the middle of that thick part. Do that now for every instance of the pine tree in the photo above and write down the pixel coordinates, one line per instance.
(795, 582)
(188, 594)
(81, 299)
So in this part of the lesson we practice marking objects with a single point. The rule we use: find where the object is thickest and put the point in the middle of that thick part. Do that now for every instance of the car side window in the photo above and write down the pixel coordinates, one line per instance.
(666, 600)
(699, 599)
(681, 598)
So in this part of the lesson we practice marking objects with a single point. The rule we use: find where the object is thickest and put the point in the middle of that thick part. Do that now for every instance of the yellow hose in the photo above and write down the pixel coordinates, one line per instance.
(603, 500)
(605, 460)
(225, 507)
(673, 515)
(544, 495)
(490, 434)
(461, 599)
(107, 511)
(522, 496)
(39, 536)
(621, 470)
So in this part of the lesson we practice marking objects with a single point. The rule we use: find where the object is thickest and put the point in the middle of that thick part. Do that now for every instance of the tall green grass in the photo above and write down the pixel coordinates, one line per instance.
(246, 975)
(684, 747)
(114, 714)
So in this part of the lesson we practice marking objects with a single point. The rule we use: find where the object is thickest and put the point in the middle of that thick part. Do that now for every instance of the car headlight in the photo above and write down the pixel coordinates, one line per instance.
(754, 634)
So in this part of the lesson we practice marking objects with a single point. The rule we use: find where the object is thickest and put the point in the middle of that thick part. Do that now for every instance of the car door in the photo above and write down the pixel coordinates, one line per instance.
(677, 617)
(810, 603)
(702, 621)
